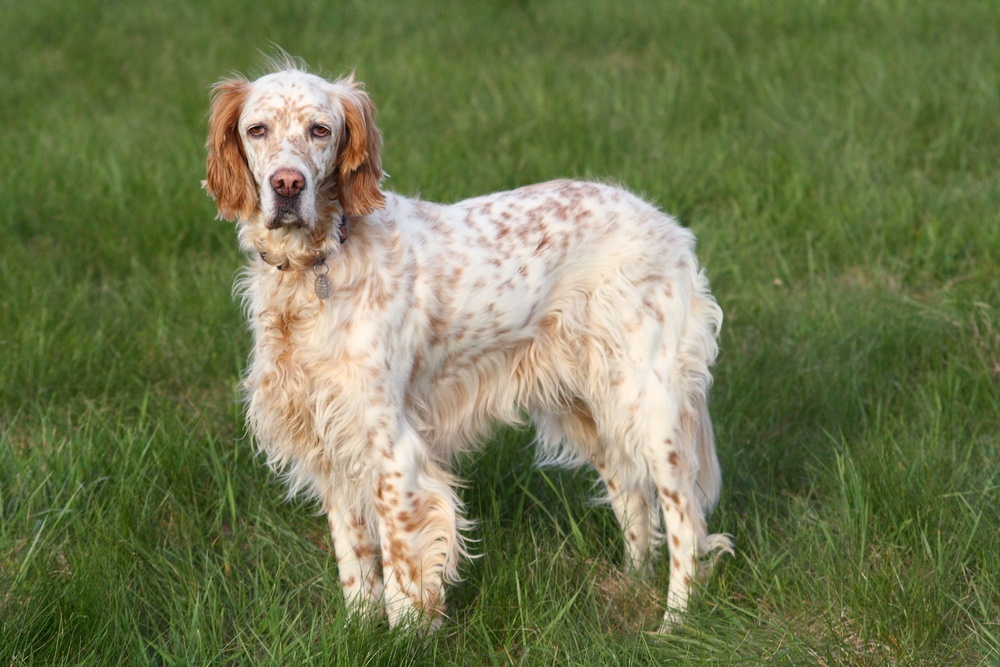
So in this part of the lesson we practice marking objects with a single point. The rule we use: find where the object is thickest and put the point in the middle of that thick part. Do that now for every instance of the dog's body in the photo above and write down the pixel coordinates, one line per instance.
(389, 333)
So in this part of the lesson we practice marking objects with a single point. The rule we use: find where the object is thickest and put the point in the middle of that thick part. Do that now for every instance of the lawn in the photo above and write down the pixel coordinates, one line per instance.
(838, 162)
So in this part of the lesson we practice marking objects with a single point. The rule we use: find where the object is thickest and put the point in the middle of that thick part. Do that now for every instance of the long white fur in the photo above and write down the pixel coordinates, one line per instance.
(578, 304)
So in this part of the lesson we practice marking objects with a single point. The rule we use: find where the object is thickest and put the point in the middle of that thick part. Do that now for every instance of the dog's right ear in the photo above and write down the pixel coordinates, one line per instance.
(227, 176)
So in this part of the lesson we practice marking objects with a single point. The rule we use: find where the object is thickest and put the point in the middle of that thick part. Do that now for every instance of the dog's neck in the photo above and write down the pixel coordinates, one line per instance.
(320, 263)
(293, 247)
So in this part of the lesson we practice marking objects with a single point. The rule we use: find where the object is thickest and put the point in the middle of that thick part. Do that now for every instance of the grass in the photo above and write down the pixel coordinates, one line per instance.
(838, 162)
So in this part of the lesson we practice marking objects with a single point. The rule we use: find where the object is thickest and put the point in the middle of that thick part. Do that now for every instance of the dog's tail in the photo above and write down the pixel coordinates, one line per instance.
(699, 348)
(708, 482)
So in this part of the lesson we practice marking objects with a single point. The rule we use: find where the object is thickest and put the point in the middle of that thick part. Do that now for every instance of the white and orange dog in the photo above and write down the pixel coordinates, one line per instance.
(390, 333)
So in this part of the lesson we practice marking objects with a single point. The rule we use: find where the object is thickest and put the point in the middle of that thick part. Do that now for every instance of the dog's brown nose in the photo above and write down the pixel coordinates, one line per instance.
(288, 182)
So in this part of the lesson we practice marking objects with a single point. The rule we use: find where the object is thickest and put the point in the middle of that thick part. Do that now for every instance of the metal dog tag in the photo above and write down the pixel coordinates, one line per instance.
(322, 287)
(322, 284)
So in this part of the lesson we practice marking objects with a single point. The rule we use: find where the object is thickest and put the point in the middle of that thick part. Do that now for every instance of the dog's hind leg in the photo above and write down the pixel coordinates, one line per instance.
(633, 507)
(660, 416)
(569, 436)
(680, 455)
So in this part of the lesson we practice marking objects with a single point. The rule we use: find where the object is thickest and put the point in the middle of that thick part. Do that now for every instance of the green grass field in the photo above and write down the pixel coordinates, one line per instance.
(839, 164)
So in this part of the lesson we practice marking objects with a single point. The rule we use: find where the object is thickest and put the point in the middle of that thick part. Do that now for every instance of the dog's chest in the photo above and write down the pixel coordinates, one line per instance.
(282, 377)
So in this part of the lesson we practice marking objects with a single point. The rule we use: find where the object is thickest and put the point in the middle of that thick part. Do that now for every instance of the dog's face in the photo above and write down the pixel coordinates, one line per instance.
(290, 130)
(283, 146)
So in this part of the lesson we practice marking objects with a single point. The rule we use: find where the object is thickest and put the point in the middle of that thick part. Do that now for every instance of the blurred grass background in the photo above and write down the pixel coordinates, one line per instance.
(838, 163)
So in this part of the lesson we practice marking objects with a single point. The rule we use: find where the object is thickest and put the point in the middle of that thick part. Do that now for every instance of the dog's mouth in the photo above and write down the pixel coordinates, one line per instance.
(285, 216)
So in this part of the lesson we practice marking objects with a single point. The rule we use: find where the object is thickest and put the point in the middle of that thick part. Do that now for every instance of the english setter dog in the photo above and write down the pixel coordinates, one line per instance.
(390, 333)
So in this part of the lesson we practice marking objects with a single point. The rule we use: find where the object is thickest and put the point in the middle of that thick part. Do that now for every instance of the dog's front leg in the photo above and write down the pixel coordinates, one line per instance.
(356, 551)
(419, 520)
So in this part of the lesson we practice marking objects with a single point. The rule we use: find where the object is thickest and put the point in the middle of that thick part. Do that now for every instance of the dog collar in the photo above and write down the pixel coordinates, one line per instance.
(320, 269)
(342, 229)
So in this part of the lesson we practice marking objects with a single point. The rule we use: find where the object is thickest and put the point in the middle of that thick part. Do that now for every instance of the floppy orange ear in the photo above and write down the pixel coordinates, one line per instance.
(359, 163)
(228, 178)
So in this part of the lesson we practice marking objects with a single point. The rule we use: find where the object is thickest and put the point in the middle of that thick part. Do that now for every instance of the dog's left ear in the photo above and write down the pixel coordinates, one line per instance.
(359, 161)
(227, 175)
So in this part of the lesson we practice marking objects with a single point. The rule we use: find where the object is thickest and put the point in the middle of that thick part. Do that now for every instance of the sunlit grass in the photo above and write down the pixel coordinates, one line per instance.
(837, 162)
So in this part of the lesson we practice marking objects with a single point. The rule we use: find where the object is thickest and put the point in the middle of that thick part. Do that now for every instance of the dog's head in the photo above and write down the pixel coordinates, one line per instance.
(283, 146)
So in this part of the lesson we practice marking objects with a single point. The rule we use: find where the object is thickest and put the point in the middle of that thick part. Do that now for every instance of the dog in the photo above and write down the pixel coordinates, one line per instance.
(390, 334)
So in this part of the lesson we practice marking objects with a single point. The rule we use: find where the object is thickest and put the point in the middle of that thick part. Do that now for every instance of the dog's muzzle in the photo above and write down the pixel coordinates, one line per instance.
(287, 185)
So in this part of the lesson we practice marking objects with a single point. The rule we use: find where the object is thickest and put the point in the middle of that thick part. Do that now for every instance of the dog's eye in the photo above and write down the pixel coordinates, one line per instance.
(320, 131)
(257, 131)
